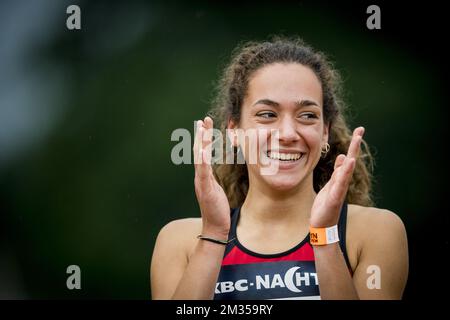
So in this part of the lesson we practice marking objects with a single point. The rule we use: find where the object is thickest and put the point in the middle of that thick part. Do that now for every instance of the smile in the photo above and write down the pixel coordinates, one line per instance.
(285, 156)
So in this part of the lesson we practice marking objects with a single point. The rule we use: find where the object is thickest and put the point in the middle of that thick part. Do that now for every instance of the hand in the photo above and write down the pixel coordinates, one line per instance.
(213, 202)
(328, 203)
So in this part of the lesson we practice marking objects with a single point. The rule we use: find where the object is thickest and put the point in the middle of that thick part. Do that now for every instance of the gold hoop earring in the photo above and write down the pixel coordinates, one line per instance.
(325, 150)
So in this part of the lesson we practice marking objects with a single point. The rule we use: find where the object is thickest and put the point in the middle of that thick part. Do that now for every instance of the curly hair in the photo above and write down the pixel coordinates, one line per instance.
(232, 87)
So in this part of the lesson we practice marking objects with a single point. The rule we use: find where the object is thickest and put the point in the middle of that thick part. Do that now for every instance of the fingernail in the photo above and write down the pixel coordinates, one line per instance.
(361, 131)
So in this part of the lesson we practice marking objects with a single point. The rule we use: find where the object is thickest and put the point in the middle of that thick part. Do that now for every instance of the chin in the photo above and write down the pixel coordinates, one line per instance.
(281, 182)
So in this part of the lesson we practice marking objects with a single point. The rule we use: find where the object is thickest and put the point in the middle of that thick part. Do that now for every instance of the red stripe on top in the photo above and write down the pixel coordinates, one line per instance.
(237, 256)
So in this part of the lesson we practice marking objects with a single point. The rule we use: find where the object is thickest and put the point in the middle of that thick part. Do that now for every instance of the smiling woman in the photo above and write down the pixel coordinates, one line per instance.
(304, 232)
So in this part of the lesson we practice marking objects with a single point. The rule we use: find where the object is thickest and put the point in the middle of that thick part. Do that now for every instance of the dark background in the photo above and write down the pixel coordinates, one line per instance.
(86, 118)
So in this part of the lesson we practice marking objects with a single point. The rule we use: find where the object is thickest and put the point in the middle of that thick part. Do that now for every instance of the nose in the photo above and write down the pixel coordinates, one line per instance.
(288, 131)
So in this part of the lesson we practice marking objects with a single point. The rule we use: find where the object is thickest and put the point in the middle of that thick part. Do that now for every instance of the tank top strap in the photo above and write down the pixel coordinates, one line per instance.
(342, 232)
(234, 216)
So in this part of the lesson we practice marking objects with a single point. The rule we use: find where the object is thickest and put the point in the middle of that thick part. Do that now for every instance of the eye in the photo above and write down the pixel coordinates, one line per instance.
(308, 115)
(266, 114)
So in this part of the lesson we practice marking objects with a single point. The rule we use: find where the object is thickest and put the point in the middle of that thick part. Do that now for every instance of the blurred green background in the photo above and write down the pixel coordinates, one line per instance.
(86, 118)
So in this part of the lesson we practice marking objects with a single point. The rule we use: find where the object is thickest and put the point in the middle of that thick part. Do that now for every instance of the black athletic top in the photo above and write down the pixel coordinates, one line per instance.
(288, 275)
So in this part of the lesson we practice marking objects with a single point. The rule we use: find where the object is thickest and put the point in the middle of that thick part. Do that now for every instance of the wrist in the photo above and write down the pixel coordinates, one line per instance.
(323, 236)
(323, 223)
(216, 233)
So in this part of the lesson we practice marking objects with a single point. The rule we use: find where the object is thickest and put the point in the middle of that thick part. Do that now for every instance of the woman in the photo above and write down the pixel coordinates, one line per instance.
(308, 231)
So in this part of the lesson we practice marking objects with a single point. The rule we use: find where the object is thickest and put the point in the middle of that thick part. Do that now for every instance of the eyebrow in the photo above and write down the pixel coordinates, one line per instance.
(300, 103)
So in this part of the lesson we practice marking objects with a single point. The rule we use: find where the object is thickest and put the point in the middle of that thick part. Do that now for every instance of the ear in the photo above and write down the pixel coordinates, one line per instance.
(326, 132)
(231, 126)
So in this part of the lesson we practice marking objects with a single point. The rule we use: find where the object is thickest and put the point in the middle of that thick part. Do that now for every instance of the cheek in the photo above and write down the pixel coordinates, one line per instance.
(251, 142)
(312, 136)
(254, 136)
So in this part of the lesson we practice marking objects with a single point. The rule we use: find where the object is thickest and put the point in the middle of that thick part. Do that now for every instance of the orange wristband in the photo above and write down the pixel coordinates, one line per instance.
(323, 236)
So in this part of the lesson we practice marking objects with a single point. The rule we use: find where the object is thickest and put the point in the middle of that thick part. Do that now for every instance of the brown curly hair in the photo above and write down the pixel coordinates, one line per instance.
(231, 90)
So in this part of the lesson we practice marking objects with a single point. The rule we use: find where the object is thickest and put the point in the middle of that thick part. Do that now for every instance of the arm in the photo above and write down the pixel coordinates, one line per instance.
(335, 281)
(383, 257)
(334, 278)
(382, 235)
(174, 275)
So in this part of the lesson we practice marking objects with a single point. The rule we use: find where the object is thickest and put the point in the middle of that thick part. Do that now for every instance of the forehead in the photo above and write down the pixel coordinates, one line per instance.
(284, 83)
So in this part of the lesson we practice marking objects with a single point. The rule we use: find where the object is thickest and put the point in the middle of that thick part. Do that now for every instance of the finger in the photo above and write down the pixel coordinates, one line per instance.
(207, 139)
(342, 179)
(337, 164)
(209, 125)
(203, 169)
(345, 173)
(204, 151)
(195, 147)
(359, 131)
(198, 145)
(339, 161)
(208, 122)
(353, 149)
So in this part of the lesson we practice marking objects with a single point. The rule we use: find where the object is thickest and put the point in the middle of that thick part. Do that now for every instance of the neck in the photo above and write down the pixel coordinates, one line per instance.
(265, 206)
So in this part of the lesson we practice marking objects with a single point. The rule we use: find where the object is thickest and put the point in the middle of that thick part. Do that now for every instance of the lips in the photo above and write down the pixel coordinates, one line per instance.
(283, 159)
(285, 156)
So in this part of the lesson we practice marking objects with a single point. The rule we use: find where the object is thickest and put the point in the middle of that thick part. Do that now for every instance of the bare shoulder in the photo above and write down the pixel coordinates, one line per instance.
(377, 237)
(366, 225)
(181, 233)
(171, 256)
(371, 219)
(181, 229)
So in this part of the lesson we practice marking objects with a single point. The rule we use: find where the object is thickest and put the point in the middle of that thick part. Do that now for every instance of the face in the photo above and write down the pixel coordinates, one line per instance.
(286, 98)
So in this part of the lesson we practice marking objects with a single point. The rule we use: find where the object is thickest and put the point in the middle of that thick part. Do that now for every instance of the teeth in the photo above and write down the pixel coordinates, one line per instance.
(284, 156)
